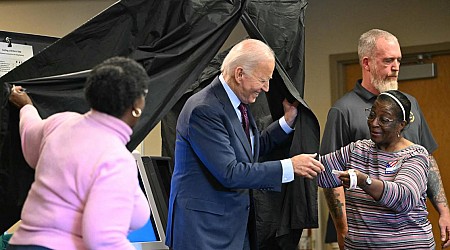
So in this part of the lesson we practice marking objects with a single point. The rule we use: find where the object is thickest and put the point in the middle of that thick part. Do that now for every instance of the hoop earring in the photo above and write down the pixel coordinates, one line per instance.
(136, 112)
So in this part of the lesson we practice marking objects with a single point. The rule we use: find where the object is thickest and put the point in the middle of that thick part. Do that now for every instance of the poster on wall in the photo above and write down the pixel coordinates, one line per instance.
(12, 55)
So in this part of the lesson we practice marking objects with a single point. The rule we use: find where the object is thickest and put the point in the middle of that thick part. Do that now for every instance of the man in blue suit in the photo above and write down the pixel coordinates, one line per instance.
(216, 162)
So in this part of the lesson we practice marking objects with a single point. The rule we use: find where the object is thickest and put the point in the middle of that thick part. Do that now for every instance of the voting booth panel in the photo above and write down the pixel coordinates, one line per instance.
(153, 180)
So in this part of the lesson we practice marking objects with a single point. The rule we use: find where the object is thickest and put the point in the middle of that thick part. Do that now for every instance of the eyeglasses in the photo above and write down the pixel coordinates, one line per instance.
(382, 120)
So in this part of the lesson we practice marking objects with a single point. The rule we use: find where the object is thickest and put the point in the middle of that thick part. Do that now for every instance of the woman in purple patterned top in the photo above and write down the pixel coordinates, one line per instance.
(385, 180)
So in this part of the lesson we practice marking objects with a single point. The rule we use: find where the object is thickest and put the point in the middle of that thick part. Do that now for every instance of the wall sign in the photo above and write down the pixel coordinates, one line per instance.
(12, 55)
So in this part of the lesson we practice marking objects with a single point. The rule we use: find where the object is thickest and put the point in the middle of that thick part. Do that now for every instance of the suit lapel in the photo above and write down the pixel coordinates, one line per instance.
(229, 109)
(255, 131)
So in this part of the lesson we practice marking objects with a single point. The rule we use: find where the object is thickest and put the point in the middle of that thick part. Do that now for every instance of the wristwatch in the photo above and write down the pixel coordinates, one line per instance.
(368, 180)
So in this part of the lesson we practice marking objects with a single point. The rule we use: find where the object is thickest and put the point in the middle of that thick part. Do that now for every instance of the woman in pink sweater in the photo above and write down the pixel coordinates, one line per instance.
(86, 193)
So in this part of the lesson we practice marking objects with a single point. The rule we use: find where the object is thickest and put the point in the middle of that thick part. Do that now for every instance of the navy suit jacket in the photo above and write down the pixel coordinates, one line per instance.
(214, 169)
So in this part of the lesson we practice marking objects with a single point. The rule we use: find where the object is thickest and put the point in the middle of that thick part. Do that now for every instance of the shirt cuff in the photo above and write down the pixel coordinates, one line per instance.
(288, 171)
(286, 128)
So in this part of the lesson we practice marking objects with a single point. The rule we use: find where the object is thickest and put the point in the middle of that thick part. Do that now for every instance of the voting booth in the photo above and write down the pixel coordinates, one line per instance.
(154, 178)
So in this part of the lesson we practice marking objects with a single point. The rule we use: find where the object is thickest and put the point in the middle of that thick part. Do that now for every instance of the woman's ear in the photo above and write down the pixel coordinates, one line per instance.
(139, 103)
(403, 125)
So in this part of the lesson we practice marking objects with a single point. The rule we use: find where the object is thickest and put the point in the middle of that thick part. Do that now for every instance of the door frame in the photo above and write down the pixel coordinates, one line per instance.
(339, 61)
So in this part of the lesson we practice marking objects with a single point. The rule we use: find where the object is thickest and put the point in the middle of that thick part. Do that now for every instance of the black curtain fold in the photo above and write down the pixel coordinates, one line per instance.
(281, 25)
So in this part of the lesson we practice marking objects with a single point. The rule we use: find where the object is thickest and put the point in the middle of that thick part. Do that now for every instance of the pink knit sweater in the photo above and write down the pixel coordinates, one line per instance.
(86, 193)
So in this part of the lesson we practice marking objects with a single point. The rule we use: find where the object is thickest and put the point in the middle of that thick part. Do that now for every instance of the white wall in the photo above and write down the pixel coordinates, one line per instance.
(48, 17)
(332, 27)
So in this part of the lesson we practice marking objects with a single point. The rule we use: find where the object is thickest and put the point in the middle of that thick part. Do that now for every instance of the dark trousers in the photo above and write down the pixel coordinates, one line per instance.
(285, 242)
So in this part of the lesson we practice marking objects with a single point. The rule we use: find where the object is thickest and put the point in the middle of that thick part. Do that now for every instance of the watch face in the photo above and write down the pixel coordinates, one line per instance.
(368, 180)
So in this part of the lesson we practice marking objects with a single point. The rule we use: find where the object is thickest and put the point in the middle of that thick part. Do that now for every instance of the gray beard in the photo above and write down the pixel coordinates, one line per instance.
(385, 85)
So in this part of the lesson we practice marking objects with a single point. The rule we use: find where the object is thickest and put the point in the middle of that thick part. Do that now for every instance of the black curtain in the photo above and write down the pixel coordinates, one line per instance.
(177, 42)
(281, 25)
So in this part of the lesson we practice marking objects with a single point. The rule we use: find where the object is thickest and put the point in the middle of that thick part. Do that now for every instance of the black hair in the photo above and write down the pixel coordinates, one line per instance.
(402, 99)
(115, 84)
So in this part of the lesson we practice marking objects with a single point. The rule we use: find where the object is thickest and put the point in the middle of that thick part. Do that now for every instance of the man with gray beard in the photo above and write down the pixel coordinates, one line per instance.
(379, 56)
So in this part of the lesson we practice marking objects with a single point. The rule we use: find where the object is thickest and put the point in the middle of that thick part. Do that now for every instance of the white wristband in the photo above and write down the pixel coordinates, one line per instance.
(353, 179)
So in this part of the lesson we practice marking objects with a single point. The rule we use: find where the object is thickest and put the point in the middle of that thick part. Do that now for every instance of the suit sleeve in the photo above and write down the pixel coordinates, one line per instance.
(215, 142)
(270, 137)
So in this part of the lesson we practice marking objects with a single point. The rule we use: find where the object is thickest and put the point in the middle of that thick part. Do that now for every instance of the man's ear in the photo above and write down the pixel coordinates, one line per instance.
(365, 63)
(238, 74)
